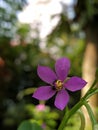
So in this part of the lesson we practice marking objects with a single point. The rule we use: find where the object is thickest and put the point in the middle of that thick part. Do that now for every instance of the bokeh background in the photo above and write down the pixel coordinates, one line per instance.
(36, 32)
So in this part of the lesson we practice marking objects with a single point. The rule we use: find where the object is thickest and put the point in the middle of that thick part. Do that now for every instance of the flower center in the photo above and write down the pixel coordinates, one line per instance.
(58, 85)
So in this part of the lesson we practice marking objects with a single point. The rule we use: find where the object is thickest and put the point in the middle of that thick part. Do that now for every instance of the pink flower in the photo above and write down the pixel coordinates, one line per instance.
(40, 107)
(58, 83)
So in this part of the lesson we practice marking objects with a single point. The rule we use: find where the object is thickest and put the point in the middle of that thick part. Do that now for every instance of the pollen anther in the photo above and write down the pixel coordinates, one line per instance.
(58, 85)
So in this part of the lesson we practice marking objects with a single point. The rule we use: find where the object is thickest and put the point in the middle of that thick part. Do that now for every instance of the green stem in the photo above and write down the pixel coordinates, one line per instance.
(91, 114)
(82, 127)
(69, 114)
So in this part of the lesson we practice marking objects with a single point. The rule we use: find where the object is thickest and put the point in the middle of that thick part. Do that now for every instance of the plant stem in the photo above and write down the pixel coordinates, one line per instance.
(82, 127)
(69, 114)
(91, 114)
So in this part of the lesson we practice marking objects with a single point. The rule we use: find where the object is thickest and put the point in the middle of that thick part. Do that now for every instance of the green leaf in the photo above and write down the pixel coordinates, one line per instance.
(29, 125)
(96, 127)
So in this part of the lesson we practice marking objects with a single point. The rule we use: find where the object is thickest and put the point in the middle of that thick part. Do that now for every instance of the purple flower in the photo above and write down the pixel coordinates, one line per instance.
(58, 83)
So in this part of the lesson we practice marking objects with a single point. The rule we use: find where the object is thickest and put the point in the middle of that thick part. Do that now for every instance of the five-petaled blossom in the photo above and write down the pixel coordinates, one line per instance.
(58, 83)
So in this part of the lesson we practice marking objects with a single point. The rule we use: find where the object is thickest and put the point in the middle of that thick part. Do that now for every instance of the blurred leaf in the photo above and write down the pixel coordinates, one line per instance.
(29, 125)
(8, 16)
(25, 92)
(96, 127)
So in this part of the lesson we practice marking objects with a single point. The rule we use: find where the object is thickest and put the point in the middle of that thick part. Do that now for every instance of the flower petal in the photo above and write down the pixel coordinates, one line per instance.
(75, 83)
(46, 74)
(44, 93)
(62, 67)
(61, 99)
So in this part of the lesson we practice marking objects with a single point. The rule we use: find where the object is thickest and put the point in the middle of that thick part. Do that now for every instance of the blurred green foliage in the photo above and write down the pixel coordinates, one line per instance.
(8, 18)
(73, 123)
(29, 125)
(43, 115)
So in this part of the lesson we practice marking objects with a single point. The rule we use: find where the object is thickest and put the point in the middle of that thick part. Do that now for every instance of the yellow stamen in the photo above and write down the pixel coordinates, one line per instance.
(58, 85)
